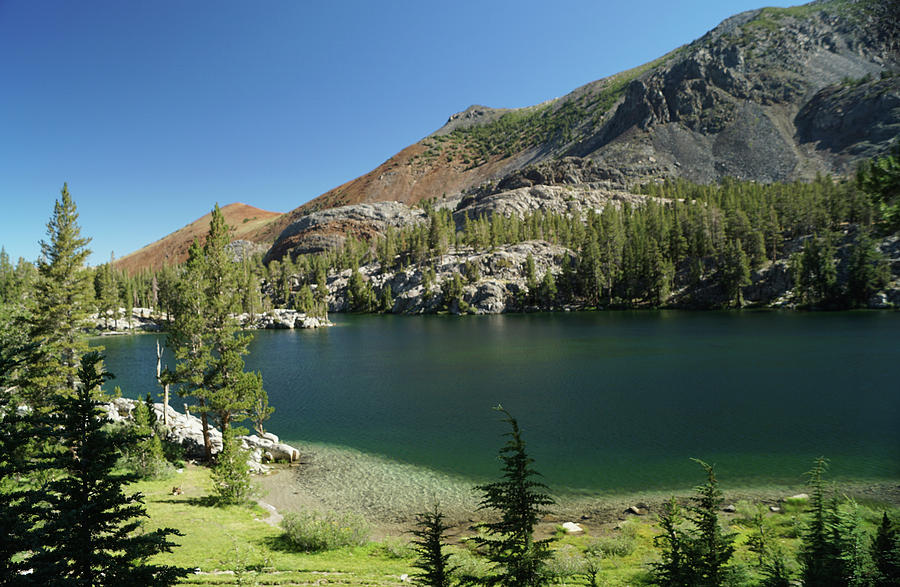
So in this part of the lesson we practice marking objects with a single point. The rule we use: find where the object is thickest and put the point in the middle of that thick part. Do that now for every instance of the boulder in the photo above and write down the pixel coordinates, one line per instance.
(274, 450)
(572, 528)
(187, 431)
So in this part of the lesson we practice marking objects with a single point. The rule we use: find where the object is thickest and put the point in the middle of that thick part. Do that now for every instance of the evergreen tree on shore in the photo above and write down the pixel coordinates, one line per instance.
(819, 555)
(886, 553)
(868, 271)
(712, 548)
(17, 511)
(230, 391)
(696, 556)
(90, 529)
(230, 473)
(519, 500)
(186, 337)
(433, 561)
(205, 337)
(63, 300)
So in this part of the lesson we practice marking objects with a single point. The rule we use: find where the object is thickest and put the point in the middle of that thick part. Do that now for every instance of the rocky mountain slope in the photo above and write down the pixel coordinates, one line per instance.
(773, 94)
(252, 225)
(494, 281)
(770, 94)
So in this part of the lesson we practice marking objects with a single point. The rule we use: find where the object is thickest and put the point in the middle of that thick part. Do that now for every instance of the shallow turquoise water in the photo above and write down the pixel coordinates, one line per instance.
(608, 401)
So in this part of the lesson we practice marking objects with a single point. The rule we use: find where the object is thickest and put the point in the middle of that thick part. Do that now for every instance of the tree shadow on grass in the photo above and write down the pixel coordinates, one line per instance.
(280, 543)
(207, 501)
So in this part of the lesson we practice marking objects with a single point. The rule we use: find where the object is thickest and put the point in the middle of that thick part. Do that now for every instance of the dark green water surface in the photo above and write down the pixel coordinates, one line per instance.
(610, 401)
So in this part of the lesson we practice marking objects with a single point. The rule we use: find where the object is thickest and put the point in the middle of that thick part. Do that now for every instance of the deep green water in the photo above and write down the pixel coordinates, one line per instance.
(610, 401)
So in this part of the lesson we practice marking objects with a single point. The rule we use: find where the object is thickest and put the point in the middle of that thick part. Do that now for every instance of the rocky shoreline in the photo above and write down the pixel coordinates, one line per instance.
(148, 320)
(388, 494)
(496, 282)
(186, 431)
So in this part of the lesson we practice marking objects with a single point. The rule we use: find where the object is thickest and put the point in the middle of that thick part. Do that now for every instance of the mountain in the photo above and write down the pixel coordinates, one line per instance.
(773, 94)
(248, 223)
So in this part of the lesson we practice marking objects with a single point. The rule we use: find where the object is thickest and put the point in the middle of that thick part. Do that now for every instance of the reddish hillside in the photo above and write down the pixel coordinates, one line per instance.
(247, 223)
(427, 169)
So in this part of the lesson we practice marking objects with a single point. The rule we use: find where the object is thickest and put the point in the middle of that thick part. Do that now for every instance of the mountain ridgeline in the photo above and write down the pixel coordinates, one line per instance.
(771, 97)
(775, 94)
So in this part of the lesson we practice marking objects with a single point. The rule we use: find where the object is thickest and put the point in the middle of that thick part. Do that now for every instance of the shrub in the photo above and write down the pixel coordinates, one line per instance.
(315, 532)
(469, 567)
(610, 546)
(397, 548)
(566, 563)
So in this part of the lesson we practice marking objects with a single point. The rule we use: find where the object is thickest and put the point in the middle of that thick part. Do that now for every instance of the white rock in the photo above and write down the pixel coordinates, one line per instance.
(572, 528)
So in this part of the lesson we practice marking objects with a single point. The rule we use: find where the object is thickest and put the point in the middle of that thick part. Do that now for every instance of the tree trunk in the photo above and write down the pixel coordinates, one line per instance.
(207, 443)
(165, 387)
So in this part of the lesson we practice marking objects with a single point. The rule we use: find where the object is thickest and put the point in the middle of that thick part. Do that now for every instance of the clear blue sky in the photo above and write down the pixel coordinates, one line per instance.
(154, 111)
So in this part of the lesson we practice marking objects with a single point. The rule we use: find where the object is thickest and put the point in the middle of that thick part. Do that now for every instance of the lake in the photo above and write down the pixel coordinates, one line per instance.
(607, 401)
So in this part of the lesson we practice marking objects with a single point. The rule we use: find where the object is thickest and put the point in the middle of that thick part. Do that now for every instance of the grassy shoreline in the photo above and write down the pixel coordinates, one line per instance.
(241, 545)
(389, 493)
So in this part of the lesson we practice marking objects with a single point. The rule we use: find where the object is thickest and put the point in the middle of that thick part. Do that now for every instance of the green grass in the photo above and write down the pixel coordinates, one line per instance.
(233, 545)
(235, 538)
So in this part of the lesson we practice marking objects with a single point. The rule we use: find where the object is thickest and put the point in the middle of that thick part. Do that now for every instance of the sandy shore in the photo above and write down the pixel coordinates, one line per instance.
(389, 493)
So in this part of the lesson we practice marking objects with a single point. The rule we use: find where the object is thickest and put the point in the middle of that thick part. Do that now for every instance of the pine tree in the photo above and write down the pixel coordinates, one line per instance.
(63, 302)
(230, 473)
(204, 337)
(531, 281)
(321, 293)
(868, 270)
(260, 410)
(107, 293)
(386, 302)
(305, 302)
(674, 570)
(886, 553)
(696, 556)
(359, 291)
(815, 272)
(590, 276)
(735, 272)
(17, 500)
(712, 548)
(129, 301)
(852, 543)
(90, 527)
(520, 501)
(662, 272)
(146, 453)
(880, 178)
(819, 556)
(771, 559)
(7, 276)
(548, 289)
(186, 336)
(433, 561)
(229, 390)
